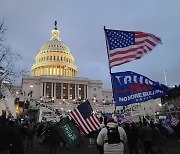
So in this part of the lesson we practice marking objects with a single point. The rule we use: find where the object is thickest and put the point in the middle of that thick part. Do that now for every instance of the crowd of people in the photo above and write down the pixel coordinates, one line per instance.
(17, 136)
(144, 137)
(139, 137)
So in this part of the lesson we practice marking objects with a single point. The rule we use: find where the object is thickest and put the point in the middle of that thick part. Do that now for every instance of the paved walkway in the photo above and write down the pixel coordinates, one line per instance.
(84, 148)
(171, 146)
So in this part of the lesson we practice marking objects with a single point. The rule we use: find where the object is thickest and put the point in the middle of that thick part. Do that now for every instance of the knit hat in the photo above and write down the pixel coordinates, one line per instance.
(110, 120)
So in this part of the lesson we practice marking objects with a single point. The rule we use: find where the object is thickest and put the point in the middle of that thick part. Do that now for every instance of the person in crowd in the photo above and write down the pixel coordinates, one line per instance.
(24, 133)
(105, 120)
(10, 141)
(177, 130)
(45, 134)
(5, 136)
(146, 137)
(17, 143)
(40, 129)
(91, 137)
(30, 135)
(163, 131)
(112, 138)
(101, 119)
(156, 136)
(133, 137)
(100, 147)
(53, 140)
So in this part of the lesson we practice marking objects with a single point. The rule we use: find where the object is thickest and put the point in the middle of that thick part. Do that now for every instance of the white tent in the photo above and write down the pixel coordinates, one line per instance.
(7, 103)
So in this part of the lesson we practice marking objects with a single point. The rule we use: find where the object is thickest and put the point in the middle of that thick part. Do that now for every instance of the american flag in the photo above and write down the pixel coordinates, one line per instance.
(168, 127)
(126, 46)
(84, 118)
(174, 121)
(127, 119)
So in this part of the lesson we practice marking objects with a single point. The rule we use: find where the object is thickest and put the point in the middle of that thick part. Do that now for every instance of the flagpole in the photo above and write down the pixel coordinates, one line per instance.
(165, 77)
(107, 49)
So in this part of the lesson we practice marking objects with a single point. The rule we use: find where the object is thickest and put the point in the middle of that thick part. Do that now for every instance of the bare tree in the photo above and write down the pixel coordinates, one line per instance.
(9, 72)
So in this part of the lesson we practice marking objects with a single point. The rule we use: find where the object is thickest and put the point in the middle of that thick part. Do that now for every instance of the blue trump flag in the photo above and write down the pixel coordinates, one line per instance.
(130, 87)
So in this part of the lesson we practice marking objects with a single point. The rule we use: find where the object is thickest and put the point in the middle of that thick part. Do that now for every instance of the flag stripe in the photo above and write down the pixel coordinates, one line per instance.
(90, 123)
(139, 53)
(93, 121)
(126, 53)
(142, 34)
(96, 121)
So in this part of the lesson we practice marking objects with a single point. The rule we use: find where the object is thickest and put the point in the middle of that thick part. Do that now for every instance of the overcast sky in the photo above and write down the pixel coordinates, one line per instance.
(81, 22)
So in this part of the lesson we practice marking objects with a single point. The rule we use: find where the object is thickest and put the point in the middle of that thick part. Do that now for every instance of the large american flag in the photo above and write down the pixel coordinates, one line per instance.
(84, 118)
(125, 46)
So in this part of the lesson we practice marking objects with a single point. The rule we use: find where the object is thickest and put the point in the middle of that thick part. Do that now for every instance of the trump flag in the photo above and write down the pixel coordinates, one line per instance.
(130, 87)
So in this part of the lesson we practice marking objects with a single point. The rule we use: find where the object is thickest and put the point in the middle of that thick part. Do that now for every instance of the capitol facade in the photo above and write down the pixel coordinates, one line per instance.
(54, 77)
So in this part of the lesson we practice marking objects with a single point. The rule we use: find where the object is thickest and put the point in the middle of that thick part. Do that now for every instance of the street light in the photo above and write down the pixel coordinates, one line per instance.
(64, 104)
(31, 86)
(103, 105)
(74, 103)
(41, 99)
(94, 101)
(52, 100)
(160, 104)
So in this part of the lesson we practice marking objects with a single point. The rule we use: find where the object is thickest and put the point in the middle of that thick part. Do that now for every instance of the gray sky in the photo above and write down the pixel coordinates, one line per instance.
(81, 22)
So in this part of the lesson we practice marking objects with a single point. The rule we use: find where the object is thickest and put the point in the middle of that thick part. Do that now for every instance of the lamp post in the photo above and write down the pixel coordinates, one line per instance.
(64, 103)
(41, 99)
(74, 101)
(52, 100)
(103, 105)
(94, 101)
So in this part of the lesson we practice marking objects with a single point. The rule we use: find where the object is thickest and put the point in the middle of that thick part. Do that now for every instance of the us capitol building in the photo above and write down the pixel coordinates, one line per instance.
(54, 78)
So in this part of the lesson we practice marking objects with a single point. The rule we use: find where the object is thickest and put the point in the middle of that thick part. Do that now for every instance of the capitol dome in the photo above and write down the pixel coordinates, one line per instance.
(54, 58)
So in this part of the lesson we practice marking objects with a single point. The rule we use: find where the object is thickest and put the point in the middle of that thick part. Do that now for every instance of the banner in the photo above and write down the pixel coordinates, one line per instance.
(68, 132)
(130, 87)
(107, 115)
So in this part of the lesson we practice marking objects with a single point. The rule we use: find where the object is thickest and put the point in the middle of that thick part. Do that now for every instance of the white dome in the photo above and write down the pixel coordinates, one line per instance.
(54, 58)
(54, 45)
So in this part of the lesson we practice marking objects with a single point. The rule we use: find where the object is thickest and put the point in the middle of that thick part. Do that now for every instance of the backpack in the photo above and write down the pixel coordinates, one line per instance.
(113, 135)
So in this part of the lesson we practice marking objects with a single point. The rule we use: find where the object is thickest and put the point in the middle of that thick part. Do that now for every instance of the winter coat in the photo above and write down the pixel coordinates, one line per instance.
(117, 148)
